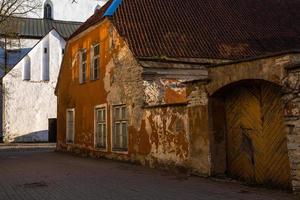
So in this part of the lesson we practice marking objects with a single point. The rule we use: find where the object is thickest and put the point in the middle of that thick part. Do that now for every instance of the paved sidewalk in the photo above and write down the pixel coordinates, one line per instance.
(27, 146)
(40, 174)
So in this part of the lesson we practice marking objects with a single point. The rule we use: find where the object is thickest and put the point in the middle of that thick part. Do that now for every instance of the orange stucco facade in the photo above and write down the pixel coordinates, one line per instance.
(83, 97)
(155, 135)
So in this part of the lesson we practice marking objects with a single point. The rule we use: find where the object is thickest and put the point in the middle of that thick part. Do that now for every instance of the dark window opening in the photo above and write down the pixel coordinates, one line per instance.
(48, 11)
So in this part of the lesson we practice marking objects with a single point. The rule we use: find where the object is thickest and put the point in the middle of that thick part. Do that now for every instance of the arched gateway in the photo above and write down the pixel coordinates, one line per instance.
(248, 119)
(246, 116)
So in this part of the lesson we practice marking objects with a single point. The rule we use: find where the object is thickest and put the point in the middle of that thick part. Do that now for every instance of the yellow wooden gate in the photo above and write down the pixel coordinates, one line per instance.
(256, 140)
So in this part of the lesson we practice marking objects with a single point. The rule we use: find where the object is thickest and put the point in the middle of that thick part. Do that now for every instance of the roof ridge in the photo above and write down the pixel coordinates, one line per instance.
(41, 19)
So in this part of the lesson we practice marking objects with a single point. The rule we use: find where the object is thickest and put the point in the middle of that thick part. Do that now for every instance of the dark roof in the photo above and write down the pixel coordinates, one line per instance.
(38, 28)
(219, 29)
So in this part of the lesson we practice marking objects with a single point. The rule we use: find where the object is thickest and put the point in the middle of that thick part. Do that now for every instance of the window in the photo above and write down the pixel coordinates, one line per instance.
(26, 69)
(70, 126)
(120, 135)
(111, 38)
(82, 70)
(47, 11)
(95, 52)
(100, 128)
(45, 63)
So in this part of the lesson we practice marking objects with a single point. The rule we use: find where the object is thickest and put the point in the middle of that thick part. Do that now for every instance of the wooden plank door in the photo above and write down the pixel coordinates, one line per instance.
(256, 140)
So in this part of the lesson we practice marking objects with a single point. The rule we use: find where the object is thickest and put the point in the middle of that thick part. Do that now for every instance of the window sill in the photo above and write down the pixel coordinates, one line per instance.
(102, 149)
(45, 81)
(93, 80)
(120, 150)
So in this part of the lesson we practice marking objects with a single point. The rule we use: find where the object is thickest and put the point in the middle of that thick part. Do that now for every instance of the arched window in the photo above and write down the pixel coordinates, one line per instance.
(97, 8)
(26, 69)
(48, 11)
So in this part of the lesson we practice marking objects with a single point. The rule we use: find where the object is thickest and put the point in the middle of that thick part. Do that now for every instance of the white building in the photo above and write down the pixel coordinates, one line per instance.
(28, 89)
(67, 10)
(63, 15)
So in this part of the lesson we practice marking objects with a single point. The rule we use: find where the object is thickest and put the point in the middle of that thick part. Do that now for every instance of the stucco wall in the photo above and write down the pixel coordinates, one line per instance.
(29, 104)
(157, 135)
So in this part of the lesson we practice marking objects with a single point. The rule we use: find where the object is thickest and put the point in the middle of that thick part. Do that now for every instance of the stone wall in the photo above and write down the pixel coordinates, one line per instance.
(291, 100)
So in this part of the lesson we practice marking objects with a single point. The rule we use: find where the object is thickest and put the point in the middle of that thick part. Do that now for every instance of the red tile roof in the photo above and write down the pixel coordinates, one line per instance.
(218, 29)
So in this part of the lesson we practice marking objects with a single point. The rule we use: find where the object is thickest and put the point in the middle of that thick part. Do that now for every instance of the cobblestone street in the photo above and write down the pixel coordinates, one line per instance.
(40, 173)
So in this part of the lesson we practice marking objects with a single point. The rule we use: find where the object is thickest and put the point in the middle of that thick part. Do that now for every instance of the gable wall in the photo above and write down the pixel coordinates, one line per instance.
(154, 139)
(29, 104)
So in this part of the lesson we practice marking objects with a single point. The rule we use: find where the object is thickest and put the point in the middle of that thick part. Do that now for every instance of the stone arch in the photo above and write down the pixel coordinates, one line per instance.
(266, 70)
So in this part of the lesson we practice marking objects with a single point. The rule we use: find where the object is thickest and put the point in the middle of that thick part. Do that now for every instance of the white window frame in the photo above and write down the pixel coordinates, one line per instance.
(81, 64)
(113, 123)
(93, 58)
(104, 107)
(67, 126)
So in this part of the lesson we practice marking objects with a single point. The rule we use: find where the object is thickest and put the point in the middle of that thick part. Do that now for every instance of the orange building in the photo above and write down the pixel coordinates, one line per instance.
(165, 83)
(102, 101)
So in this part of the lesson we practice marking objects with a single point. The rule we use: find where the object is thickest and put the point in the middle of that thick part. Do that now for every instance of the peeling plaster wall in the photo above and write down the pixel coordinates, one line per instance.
(157, 136)
(198, 115)
(120, 82)
(163, 139)
(29, 104)
(164, 91)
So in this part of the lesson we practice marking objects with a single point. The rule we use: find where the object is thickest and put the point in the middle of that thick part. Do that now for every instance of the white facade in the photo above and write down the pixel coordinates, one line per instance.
(69, 10)
(63, 10)
(28, 92)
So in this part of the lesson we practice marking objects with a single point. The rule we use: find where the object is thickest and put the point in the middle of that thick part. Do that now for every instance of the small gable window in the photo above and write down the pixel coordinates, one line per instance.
(47, 11)
(26, 69)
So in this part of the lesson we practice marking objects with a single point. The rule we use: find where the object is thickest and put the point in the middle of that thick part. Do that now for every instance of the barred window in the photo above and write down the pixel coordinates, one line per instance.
(120, 132)
(100, 128)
